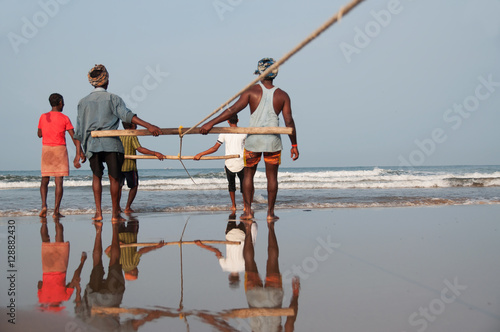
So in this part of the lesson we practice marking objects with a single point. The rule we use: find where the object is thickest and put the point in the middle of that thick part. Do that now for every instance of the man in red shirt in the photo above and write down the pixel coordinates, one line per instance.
(52, 128)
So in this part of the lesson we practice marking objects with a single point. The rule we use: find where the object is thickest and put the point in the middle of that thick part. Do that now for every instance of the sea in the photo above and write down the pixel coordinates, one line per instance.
(173, 190)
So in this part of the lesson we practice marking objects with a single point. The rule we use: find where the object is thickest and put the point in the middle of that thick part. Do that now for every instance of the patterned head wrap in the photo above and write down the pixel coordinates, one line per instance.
(263, 65)
(98, 76)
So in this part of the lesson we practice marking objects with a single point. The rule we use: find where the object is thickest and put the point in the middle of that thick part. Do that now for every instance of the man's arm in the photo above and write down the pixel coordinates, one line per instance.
(156, 131)
(39, 132)
(294, 303)
(239, 105)
(144, 150)
(79, 156)
(287, 116)
(213, 149)
(77, 139)
(79, 153)
(145, 250)
(216, 251)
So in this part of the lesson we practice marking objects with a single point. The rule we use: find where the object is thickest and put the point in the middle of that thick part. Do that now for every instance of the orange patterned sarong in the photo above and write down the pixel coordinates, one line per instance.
(55, 256)
(55, 160)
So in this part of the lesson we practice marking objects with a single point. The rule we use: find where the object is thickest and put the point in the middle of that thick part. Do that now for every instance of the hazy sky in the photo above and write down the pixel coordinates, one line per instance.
(409, 82)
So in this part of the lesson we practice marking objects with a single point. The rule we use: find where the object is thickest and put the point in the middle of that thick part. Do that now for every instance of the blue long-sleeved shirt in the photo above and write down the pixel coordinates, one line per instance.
(100, 110)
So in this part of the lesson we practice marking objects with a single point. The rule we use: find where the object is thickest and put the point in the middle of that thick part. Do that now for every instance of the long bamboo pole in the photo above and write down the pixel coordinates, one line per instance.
(336, 17)
(177, 131)
(147, 156)
(152, 244)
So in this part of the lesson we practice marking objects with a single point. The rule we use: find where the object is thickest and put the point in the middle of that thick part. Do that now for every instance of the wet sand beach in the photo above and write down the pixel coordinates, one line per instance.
(373, 269)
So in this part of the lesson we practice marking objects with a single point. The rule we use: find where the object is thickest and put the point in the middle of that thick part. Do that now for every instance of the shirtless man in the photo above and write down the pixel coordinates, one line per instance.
(266, 103)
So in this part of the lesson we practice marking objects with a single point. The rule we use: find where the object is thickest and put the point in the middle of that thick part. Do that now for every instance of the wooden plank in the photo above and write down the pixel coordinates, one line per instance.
(215, 130)
(147, 156)
(152, 244)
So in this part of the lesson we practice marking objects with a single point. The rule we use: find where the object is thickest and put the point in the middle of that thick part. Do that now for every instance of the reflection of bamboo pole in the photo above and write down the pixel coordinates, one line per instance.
(148, 156)
(214, 130)
(255, 312)
(152, 244)
(227, 314)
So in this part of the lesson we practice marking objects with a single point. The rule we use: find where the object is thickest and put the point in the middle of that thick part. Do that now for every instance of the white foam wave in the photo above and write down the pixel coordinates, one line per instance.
(376, 178)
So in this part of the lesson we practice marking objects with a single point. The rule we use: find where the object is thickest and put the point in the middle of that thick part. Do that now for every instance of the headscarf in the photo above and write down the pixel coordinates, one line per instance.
(101, 79)
(263, 65)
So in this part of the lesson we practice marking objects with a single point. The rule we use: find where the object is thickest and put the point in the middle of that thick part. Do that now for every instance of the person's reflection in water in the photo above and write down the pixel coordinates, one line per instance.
(131, 256)
(233, 262)
(100, 291)
(52, 289)
(270, 294)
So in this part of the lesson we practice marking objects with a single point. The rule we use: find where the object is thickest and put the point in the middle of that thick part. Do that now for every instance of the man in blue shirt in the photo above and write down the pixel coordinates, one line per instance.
(101, 110)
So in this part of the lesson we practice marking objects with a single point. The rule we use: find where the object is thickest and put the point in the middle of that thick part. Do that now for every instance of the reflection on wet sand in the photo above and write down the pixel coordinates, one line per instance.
(52, 289)
(267, 296)
(100, 306)
(234, 262)
(103, 291)
(130, 256)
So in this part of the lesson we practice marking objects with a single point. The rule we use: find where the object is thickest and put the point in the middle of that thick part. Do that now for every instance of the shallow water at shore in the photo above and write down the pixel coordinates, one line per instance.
(170, 190)
(377, 269)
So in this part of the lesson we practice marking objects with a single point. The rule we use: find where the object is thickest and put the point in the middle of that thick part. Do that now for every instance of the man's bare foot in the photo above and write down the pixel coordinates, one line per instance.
(118, 218)
(128, 210)
(43, 213)
(272, 218)
(97, 216)
(57, 215)
(246, 216)
(233, 208)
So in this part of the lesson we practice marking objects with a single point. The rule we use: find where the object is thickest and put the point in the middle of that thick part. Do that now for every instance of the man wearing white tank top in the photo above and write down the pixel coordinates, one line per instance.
(266, 103)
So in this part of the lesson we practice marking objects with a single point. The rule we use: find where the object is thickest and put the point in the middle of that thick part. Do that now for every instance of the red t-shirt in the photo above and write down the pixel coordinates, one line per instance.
(54, 289)
(54, 126)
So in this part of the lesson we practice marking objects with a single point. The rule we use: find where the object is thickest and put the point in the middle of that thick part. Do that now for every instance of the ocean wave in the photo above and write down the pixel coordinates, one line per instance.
(376, 178)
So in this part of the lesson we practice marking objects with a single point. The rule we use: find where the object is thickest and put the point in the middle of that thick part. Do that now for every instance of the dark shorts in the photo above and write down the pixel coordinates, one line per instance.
(232, 225)
(251, 159)
(132, 178)
(231, 179)
(113, 160)
(114, 283)
(131, 226)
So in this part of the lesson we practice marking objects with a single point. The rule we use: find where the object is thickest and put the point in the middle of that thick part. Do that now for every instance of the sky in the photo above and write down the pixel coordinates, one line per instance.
(395, 83)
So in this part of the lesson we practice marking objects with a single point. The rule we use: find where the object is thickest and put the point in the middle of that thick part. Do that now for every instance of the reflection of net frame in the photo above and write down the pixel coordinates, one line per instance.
(152, 244)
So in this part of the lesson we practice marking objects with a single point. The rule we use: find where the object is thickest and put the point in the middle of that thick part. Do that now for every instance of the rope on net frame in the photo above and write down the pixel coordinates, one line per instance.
(332, 20)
